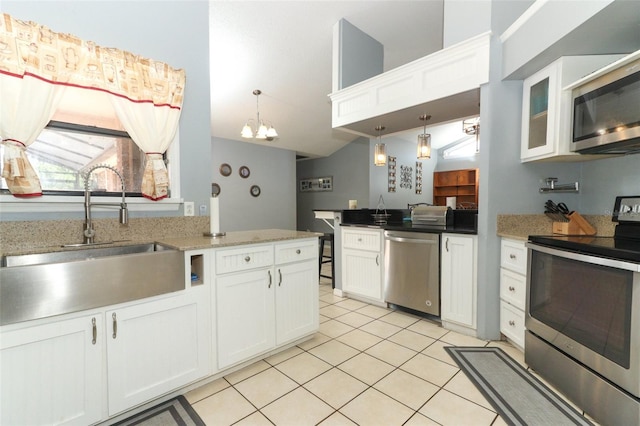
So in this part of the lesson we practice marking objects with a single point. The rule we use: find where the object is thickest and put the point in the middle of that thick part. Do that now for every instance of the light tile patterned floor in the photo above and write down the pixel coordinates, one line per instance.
(367, 366)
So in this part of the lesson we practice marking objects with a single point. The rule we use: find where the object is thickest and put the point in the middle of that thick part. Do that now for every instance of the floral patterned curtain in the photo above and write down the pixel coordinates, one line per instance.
(148, 96)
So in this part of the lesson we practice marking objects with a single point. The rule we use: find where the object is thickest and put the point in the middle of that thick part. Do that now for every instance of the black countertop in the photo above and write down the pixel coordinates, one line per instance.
(463, 222)
(408, 226)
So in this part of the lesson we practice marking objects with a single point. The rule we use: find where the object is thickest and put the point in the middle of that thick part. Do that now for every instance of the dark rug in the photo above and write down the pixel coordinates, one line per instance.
(176, 411)
(519, 397)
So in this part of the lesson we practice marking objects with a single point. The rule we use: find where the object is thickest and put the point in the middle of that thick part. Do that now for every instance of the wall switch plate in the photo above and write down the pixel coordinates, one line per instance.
(189, 208)
(203, 209)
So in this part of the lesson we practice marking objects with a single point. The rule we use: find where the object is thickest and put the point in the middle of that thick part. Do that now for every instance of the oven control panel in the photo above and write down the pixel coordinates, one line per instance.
(627, 209)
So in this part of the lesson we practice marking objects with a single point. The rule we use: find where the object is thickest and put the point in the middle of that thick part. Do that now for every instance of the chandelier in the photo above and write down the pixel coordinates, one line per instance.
(380, 152)
(258, 130)
(424, 140)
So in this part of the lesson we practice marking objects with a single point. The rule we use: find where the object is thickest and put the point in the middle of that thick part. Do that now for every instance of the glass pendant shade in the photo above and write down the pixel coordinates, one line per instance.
(271, 133)
(262, 132)
(424, 146)
(380, 155)
(247, 131)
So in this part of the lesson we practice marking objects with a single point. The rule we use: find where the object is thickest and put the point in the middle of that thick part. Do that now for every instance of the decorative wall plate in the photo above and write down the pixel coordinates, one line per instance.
(215, 189)
(255, 190)
(225, 169)
(244, 172)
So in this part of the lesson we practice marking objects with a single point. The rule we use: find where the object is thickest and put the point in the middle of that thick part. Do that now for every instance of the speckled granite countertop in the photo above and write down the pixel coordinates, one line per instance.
(520, 226)
(236, 238)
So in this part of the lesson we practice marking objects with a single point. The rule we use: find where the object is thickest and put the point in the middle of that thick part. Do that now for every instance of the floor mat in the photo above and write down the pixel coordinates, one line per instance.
(176, 411)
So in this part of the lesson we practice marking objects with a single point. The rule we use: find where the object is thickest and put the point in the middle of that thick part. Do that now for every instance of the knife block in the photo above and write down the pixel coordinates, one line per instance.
(577, 225)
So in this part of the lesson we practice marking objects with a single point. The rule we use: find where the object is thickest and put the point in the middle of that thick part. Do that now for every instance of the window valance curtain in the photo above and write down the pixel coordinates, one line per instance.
(37, 63)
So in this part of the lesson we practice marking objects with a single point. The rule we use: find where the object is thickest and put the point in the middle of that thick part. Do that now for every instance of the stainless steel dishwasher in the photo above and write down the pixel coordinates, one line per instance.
(412, 270)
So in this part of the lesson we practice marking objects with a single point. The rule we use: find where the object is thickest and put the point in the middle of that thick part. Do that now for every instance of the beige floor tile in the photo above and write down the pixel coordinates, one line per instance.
(359, 339)
(373, 311)
(374, 408)
(322, 304)
(316, 340)
(333, 311)
(449, 409)
(430, 369)
(324, 319)
(331, 298)
(351, 304)
(366, 368)
(391, 353)
(401, 319)
(335, 387)
(428, 328)
(299, 408)
(256, 419)
(265, 387)
(337, 419)
(248, 371)
(284, 355)
(303, 367)
(206, 390)
(462, 386)
(406, 388)
(411, 339)
(223, 408)
(419, 420)
(380, 328)
(354, 319)
(334, 328)
(437, 351)
(499, 421)
(458, 339)
(334, 352)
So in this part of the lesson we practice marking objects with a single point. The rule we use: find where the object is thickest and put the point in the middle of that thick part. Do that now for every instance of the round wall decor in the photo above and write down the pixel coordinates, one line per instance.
(225, 169)
(255, 190)
(244, 172)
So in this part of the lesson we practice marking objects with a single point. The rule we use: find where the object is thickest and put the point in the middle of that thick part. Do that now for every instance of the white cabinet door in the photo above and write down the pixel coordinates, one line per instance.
(296, 300)
(362, 273)
(52, 373)
(245, 305)
(458, 279)
(156, 347)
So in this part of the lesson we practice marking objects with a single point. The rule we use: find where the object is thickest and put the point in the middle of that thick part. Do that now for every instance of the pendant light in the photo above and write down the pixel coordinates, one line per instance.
(262, 132)
(380, 152)
(424, 140)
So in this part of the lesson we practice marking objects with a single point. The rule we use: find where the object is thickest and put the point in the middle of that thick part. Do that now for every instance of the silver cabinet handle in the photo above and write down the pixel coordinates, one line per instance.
(512, 323)
(512, 256)
(512, 288)
(115, 325)
(377, 259)
(279, 277)
(95, 331)
(269, 272)
(446, 244)
(247, 259)
(298, 251)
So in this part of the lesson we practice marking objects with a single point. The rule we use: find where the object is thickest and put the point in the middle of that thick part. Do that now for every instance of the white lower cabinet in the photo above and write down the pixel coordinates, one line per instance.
(52, 373)
(513, 288)
(362, 263)
(458, 280)
(270, 301)
(155, 347)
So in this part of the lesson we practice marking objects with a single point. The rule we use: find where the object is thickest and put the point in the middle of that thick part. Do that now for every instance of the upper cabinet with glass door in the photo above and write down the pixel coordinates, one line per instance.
(546, 107)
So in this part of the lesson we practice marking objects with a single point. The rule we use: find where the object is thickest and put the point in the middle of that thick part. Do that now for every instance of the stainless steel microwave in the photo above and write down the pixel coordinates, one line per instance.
(606, 111)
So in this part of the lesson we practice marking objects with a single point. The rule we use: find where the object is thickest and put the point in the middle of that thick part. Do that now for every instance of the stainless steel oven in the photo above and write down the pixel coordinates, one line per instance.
(583, 317)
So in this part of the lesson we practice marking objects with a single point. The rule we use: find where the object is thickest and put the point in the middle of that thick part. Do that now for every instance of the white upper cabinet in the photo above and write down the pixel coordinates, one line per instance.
(546, 107)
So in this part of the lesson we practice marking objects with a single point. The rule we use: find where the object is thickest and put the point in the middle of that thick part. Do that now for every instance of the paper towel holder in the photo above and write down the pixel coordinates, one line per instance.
(211, 234)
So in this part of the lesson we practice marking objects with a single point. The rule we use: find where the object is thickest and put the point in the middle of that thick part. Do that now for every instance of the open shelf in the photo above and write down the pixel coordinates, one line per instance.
(462, 184)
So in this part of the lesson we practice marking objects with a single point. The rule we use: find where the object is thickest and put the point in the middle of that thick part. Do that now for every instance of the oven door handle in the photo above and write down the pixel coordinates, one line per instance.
(603, 261)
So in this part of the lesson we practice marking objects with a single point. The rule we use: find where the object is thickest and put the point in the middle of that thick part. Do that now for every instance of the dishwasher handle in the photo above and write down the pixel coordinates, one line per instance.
(410, 240)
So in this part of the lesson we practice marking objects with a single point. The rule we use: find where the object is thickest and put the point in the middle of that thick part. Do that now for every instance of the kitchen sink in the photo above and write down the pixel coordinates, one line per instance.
(74, 279)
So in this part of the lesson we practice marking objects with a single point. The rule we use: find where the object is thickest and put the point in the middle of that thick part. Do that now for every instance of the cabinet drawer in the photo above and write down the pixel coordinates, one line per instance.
(512, 323)
(296, 251)
(362, 240)
(513, 288)
(513, 256)
(243, 259)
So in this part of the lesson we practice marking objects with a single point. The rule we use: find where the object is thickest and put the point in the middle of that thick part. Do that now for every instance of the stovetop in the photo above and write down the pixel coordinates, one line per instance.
(611, 247)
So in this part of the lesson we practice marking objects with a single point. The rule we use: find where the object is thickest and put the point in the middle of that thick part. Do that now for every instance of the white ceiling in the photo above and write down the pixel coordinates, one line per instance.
(284, 48)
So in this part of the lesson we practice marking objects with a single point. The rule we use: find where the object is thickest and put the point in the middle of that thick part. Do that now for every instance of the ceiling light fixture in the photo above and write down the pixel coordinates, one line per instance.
(261, 131)
(471, 126)
(380, 153)
(424, 140)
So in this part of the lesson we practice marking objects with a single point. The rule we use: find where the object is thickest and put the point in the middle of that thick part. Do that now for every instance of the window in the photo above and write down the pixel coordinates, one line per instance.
(466, 147)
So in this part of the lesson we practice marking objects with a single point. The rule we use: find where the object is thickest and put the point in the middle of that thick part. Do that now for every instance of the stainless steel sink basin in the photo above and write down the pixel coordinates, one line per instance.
(79, 278)
(73, 252)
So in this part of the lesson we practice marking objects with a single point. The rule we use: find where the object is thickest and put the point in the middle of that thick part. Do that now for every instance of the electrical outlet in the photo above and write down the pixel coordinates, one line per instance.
(189, 208)
(203, 209)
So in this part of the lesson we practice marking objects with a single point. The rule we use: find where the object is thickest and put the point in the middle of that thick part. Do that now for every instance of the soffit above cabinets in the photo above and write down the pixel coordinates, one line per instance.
(444, 84)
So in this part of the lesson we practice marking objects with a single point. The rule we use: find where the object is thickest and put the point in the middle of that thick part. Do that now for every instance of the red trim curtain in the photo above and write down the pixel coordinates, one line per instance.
(36, 65)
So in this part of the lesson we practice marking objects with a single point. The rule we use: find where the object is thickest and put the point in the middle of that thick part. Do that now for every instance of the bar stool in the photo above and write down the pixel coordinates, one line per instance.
(327, 258)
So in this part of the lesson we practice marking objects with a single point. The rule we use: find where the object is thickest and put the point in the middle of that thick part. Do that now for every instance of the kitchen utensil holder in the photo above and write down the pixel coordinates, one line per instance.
(577, 225)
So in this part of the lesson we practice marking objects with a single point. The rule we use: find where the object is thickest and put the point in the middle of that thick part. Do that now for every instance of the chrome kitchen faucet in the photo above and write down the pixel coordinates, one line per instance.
(88, 231)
